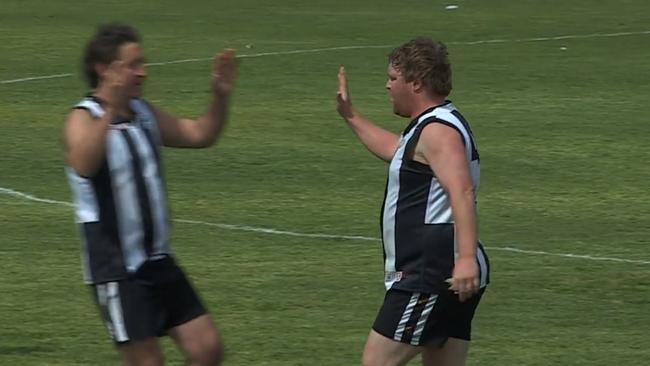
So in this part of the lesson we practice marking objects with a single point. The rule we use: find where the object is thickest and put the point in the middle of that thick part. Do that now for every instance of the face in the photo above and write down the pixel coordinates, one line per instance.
(400, 92)
(133, 71)
(131, 55)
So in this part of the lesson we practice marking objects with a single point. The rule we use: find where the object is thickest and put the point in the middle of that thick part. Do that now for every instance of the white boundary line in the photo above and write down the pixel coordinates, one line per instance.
(315, 50)
(254, 229)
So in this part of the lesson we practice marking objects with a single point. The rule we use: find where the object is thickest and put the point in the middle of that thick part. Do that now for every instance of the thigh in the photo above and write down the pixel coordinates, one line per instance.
(405, 317)
(383, 351)
(453, 353)
(146, 352)
(199, 340)
(129, 310)
(179, 298)
(459, 316)
(449, 318)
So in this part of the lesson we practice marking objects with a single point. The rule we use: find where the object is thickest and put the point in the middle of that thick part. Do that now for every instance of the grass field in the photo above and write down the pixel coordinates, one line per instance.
(553, 89)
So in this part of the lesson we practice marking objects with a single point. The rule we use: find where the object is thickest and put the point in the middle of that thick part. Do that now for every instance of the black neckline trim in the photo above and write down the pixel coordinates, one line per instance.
(415, 120)
(120, 120)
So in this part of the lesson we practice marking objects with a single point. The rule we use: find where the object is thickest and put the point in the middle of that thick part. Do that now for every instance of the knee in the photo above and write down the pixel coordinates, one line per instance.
(366, 360)
(206, 354)
(371, 359)
(150, 360)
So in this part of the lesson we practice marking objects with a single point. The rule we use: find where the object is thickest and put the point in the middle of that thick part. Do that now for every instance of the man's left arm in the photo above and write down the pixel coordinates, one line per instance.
(181, 132)
(443, 150)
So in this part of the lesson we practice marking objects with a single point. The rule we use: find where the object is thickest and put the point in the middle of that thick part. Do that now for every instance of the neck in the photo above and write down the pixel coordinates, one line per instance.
(120, 105)
(426, 103)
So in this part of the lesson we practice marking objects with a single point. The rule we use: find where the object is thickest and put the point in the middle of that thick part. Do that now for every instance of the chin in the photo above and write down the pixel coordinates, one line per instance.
(401, 114)
(136, 94)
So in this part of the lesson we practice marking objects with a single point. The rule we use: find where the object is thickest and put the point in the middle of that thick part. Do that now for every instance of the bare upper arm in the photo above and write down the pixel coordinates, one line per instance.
(174, 131)
(442, 148)
(84, 142)
(76, 124)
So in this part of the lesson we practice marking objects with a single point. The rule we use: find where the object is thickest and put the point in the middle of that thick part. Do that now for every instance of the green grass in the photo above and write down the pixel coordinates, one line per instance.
(562, 136)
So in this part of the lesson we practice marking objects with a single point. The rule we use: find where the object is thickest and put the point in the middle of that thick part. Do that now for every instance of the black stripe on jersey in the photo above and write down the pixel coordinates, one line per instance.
(154, 146)
(436, 257)
(487, 263)
(105, 256)
(475, 155)
(143, 196)
(409, 150)
(154, 143)
(417, 119)
(462, 119)
(156, 151)
(381, 218)
(99, 101)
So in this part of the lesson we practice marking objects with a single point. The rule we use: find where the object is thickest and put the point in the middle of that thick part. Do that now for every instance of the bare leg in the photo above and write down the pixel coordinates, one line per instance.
(199, 341)
(146, 352)
(453, 353)
(383, 351)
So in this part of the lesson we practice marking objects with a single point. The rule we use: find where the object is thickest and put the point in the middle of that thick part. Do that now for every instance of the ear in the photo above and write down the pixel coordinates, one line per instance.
(417, 86)
(100, 69)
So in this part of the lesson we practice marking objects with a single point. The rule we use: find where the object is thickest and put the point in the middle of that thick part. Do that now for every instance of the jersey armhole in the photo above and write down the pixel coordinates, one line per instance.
(410, 147)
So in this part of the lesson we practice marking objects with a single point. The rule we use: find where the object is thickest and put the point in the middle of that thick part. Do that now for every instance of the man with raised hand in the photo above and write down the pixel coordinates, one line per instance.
(112, 149)
(435, 269)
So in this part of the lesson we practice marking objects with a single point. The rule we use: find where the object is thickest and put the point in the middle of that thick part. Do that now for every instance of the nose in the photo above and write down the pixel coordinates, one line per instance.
(141, 72)
(388, 84)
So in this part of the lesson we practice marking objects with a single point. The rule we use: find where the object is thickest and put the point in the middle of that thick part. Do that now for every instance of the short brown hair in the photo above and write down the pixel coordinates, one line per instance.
(425, 60)
(103, 48)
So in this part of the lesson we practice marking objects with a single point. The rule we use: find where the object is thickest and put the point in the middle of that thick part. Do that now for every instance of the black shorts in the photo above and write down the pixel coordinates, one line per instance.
(425, 319)
(153, 300)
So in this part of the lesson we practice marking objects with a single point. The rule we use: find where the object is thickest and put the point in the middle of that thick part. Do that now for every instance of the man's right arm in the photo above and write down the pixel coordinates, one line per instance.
(85, 140)
(378, 141)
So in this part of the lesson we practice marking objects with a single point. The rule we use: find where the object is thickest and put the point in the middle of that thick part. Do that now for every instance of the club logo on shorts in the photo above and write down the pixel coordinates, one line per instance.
(393, 276)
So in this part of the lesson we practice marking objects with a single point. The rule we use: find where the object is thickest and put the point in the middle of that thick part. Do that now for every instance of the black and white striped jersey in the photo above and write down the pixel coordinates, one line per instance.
(121, 210)
(416, 218)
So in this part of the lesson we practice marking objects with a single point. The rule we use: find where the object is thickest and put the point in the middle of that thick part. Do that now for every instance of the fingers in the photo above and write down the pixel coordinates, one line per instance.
(223, 71)
(343, 82)
(224, 63)
(115, 71)
(464, 288)
(342, 93)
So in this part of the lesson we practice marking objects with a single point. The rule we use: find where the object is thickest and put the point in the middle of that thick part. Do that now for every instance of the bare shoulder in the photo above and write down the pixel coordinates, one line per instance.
(78, 115)
(439, 136)
(76, 124)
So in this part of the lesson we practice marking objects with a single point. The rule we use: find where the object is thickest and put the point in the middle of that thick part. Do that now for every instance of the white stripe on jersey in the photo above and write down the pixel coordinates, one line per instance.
(125, 195)
(438, 209)
(390, 203)
(146, 118)
(445, 114)
(94, 108)
(129, 144)
(87, 209)
(390, 208)
(151, 175)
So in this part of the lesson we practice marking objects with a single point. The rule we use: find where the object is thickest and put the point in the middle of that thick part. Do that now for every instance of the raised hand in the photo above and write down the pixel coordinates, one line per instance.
(223, 72)
(344, 106)
(116, 80)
